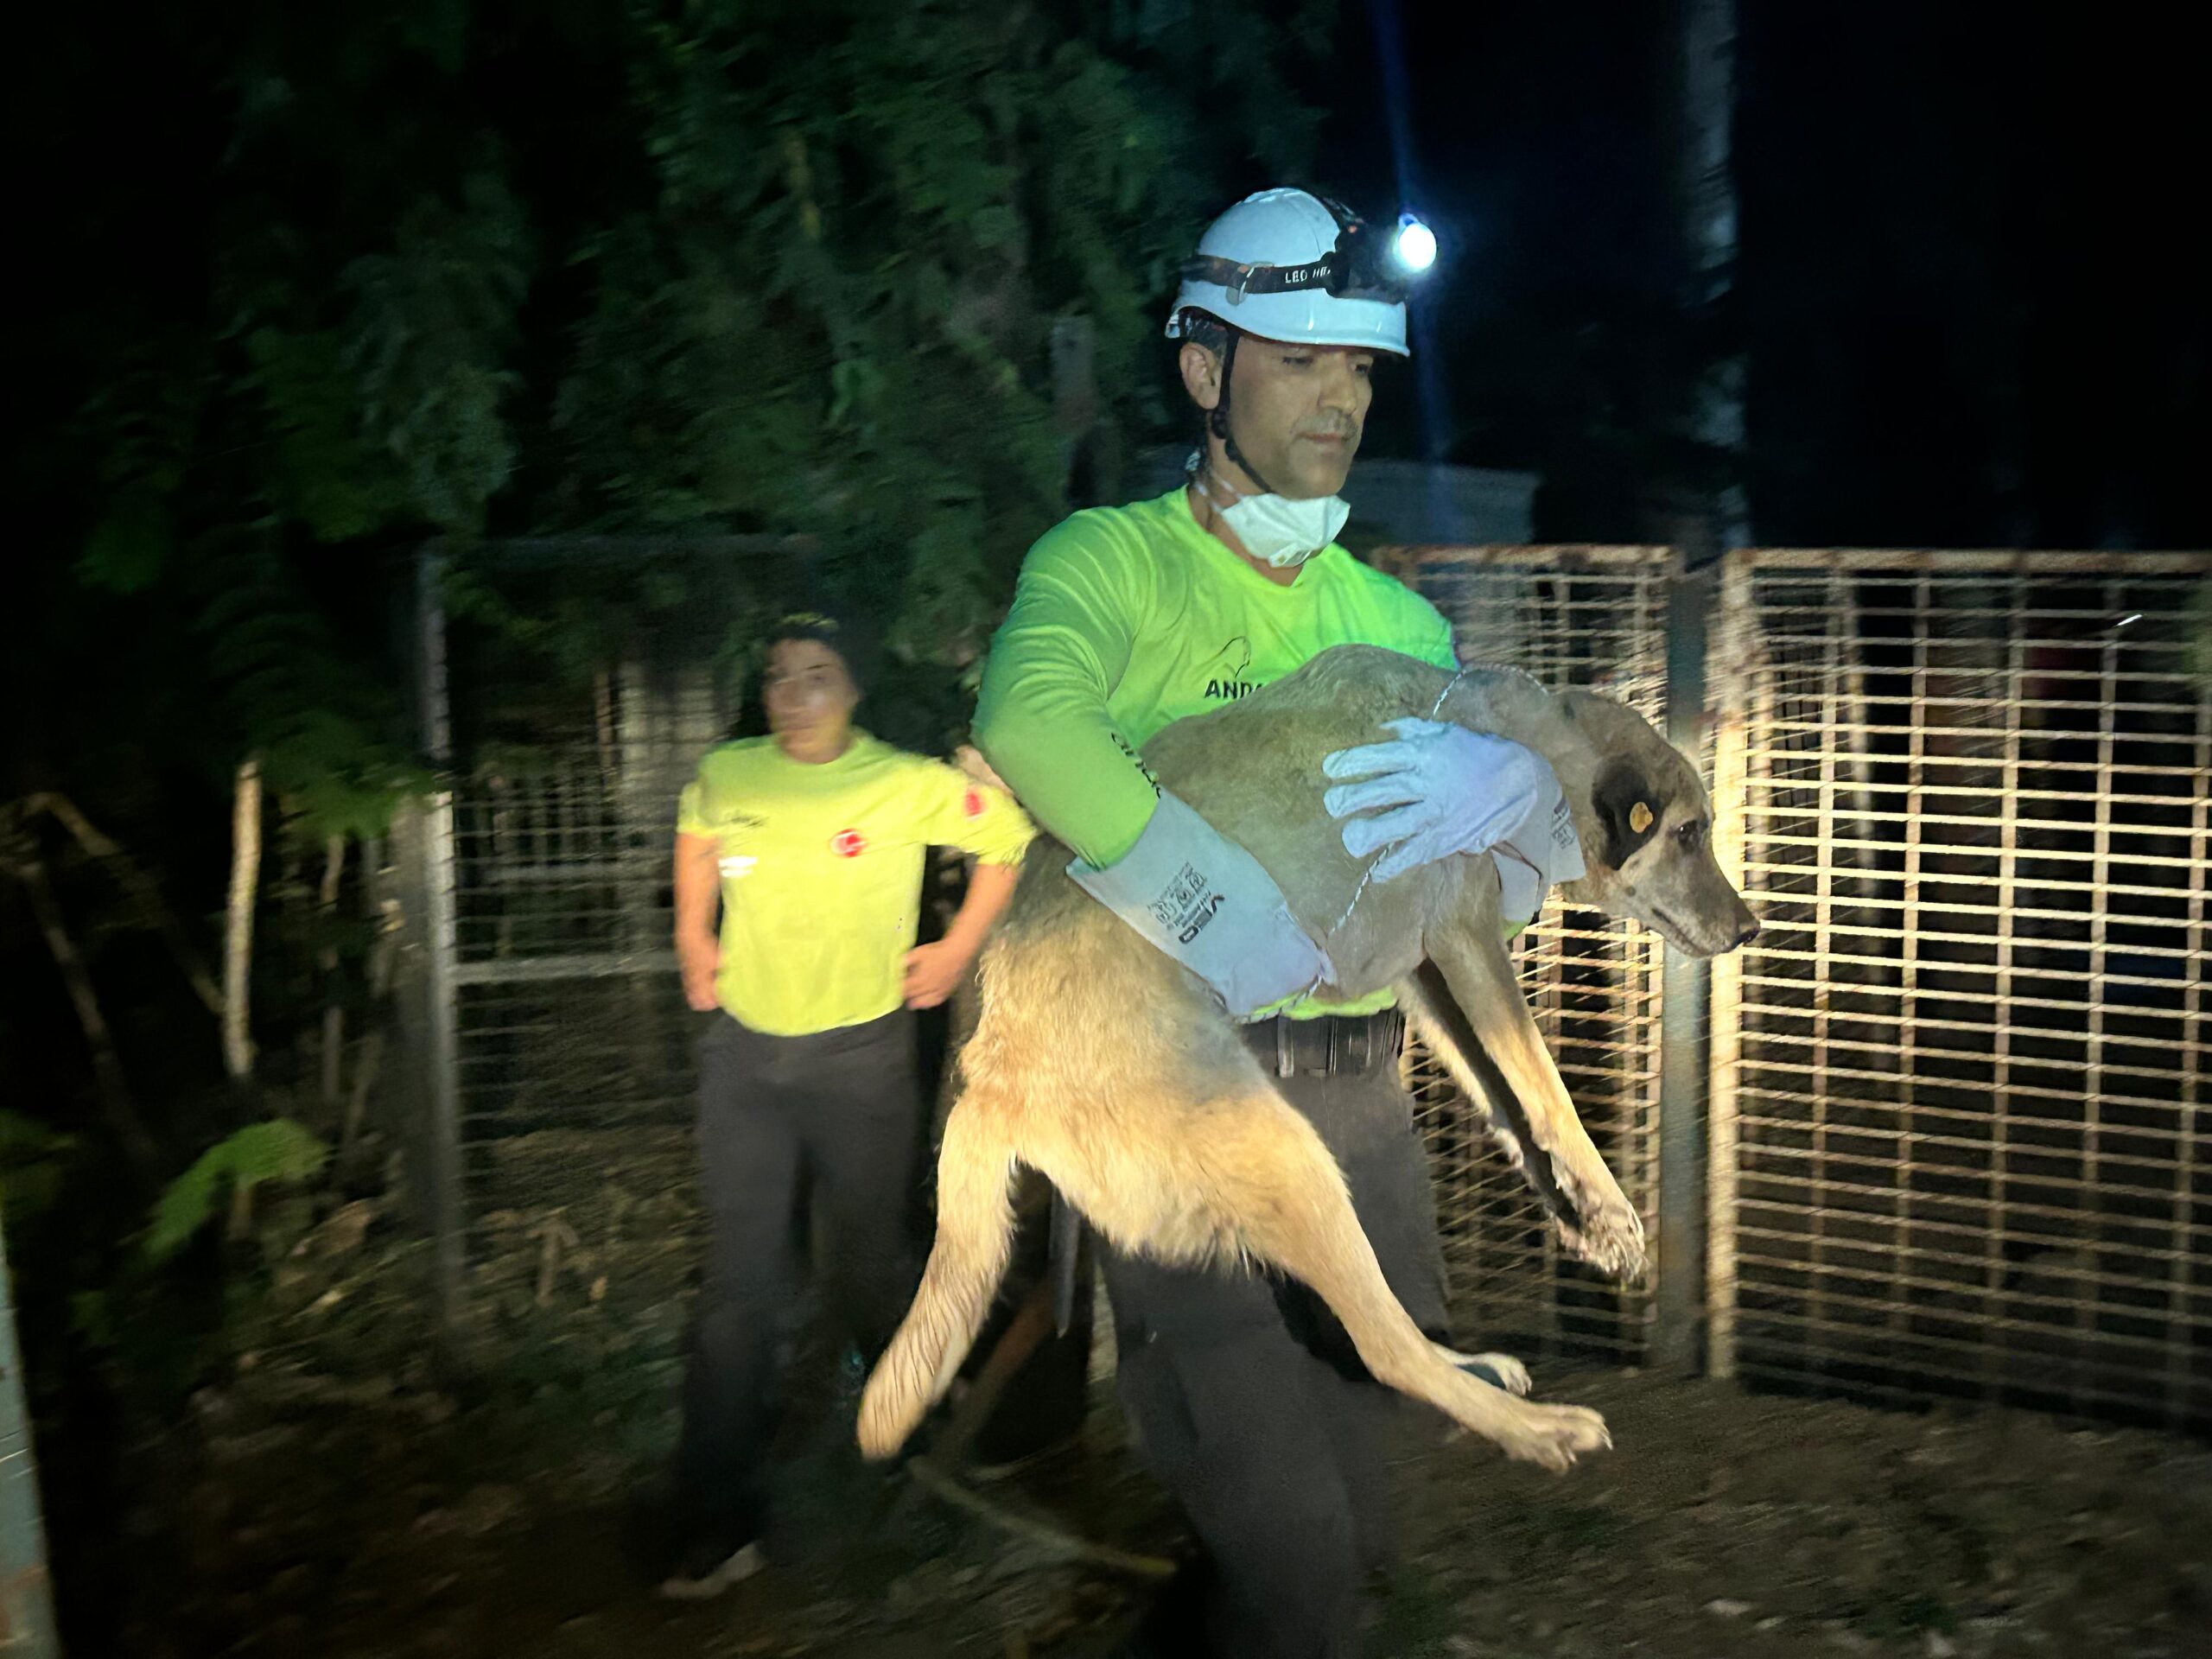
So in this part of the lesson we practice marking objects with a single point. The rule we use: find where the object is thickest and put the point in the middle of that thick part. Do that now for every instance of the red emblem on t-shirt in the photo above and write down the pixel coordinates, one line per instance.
(972, 803)
(847, 843)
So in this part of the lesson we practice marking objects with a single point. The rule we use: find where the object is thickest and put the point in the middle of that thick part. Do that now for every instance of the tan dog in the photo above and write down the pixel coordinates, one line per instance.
(1101, 1063)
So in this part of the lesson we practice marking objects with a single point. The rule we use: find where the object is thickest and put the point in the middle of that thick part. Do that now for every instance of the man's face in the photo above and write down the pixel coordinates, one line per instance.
(807, 692)
(1298, 411)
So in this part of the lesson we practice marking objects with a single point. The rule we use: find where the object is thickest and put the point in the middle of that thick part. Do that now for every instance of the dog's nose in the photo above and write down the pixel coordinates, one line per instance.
(1747, 932)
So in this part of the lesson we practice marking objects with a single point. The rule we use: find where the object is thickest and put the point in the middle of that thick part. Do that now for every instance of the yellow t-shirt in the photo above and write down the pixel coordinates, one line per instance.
(821, 872)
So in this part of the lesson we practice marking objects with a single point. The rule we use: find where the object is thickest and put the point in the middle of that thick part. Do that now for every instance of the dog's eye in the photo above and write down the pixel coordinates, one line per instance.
(1691, 833)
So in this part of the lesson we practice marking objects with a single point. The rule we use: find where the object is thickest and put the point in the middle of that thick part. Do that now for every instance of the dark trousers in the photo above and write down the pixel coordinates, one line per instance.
(1249, 1403)
(833, 1118)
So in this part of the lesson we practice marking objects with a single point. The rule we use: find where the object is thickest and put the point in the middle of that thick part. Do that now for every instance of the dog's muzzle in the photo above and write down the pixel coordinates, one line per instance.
(1329, 1044)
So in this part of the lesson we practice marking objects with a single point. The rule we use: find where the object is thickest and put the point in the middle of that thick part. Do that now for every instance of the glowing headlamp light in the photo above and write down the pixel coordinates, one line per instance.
(1414, 246)
(1364, 263)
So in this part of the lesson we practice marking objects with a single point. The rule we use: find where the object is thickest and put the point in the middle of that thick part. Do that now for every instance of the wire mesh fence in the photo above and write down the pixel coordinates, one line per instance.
(557, 1044)
(1957, 1087)
(1959, 1114)
(569, 1048)
(1595, 617)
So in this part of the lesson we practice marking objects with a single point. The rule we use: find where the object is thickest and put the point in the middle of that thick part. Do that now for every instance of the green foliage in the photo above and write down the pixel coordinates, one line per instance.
(827, 315)
(425, 344)
(329, 476)
(277, 1151)
(698, 265)
(831, 316)
(319, 722)
(145, 418)
(34, 1164)
(127, 549)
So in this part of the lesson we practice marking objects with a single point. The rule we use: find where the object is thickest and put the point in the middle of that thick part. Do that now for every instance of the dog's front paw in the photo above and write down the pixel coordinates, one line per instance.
(1554, 1436)
(1610, 1235)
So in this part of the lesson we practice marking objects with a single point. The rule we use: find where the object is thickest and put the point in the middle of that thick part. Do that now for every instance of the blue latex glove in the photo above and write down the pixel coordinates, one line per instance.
(1444, 790)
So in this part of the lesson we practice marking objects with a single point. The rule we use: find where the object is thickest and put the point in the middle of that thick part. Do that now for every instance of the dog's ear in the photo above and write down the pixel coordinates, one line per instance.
(1628, 807)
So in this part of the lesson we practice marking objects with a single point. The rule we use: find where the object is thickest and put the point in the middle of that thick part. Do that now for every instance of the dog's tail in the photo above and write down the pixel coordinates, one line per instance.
(975, 1236)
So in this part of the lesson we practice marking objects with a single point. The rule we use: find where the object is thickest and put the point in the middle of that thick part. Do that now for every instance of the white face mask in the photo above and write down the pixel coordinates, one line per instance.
(1279, 529)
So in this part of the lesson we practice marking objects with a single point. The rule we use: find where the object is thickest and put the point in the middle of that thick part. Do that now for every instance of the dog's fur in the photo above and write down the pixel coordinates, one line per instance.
(1101, 1063)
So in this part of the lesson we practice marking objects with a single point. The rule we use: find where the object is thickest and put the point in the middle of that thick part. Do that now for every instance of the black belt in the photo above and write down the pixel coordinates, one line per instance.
(1345, 1045)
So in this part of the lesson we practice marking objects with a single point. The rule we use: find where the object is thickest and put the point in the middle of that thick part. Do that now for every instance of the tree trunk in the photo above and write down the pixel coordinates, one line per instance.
(238, 932)
(119, 864)
(1709, 411)
(1074, 353)
(381, 955)
(122, 1111)
(334, 1015)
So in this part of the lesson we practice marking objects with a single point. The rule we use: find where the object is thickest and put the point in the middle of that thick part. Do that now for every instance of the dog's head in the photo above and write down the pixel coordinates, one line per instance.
(1647, 832)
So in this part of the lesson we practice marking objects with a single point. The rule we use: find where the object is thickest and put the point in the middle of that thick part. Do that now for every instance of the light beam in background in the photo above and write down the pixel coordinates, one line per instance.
(1434, 407)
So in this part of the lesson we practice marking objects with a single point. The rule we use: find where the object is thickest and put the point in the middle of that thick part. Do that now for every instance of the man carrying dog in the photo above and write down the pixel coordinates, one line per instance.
(810, 841)
(1245, 1395)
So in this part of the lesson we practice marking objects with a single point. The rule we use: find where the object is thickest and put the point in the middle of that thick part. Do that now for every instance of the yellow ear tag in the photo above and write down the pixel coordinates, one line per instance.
(1639, 818)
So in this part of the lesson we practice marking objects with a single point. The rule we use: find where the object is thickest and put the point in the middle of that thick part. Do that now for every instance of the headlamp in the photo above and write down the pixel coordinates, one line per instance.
(1415, 245)
(1365, 264)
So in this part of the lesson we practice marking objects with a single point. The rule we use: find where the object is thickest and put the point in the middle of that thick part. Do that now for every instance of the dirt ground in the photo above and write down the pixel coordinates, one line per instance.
(331, 1500)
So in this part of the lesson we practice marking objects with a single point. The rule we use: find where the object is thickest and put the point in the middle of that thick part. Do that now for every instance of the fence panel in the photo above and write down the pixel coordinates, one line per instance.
(1958, 1080)
(1957, 1086)
(555, 1046)
(1596, 617)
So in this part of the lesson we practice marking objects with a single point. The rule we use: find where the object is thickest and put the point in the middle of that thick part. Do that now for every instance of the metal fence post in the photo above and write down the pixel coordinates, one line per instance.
(26, 1593)
(1685, 984)
(1731, 656)
(428, 866)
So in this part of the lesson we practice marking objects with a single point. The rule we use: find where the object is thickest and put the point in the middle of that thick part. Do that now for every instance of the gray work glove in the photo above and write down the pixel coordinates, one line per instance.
(1197, 895)
(1447, 790)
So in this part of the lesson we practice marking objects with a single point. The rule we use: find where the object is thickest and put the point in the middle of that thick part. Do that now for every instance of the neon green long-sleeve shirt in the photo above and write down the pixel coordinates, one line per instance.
(1126, 618)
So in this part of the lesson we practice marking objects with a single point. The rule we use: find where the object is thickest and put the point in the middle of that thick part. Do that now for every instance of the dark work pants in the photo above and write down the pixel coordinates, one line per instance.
(834, 1116)
(1248, 1404)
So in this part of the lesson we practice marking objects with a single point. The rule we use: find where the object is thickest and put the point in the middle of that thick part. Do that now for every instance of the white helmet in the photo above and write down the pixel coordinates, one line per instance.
(1287, 265)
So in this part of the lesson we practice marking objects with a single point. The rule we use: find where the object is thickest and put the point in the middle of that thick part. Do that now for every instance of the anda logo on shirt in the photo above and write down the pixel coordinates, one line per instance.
(1225, 671)
(849, 843)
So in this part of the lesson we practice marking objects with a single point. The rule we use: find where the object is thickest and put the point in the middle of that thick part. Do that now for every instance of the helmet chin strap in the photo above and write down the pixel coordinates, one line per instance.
(1217, 421)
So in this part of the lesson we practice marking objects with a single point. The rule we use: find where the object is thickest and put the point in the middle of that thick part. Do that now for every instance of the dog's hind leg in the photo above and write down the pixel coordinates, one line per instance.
(975, 1236)
(1273, 1186)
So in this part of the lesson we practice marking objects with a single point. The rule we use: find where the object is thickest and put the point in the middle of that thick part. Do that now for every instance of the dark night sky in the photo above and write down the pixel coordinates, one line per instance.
(1972, 283)
(1972, 289)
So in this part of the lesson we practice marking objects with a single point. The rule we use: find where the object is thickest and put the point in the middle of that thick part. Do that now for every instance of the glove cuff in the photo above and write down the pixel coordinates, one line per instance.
(1537, 853)
(1202, 899)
